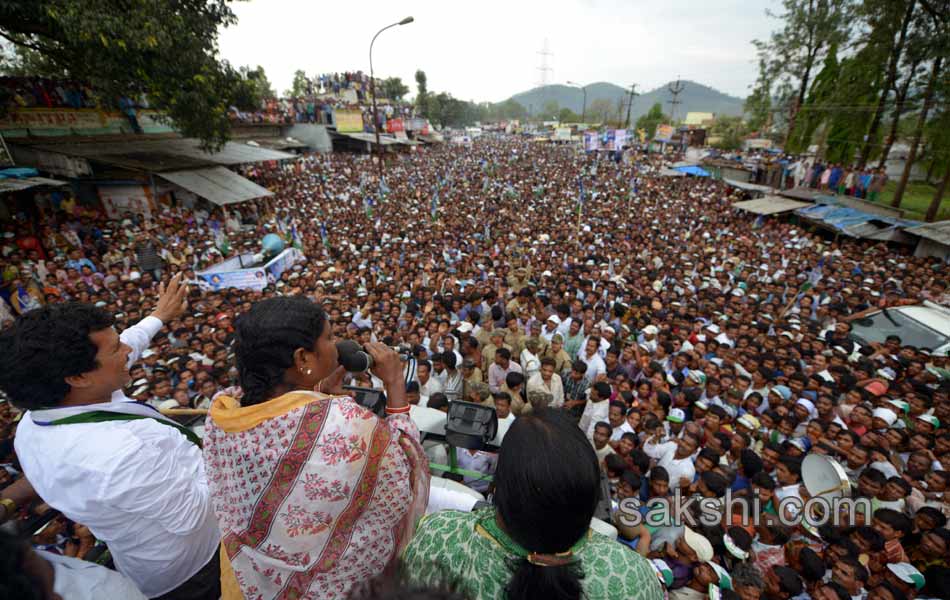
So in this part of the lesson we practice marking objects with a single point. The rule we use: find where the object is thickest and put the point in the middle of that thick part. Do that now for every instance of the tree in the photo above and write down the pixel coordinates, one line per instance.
(730, 131)
(809, 29)
(652, 119)
(422, 93)
(601, 108)
(252, 89)
(167, 50)
(758, 106)
(550, 109)
(301, 86)
(568, 116)
(394, 89)
(886, 18)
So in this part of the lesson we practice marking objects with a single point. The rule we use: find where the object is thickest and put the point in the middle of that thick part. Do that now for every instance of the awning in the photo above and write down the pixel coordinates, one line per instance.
(371, 138)
(165, 154)
(801, 194)
(749, 187)
(22, 183)
(217, 185)
(770, 205)
(284, 143)
(671, 173)
(937, 232)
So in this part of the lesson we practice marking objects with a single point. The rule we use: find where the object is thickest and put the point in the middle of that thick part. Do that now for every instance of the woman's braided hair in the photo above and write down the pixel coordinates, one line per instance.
(266, 338)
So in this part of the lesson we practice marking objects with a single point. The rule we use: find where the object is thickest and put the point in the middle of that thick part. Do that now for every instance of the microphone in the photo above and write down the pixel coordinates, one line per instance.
(356, 360)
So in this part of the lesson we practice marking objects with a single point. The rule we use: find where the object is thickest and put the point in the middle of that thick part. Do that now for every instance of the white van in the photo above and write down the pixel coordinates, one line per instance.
(925, 326)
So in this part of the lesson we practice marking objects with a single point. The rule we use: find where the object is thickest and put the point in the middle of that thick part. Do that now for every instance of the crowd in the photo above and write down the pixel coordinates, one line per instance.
(622, 322)
(860, 182)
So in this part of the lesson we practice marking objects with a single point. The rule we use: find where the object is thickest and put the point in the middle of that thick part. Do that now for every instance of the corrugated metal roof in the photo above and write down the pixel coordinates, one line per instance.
(857, 223)
(13, 184)
(800, 194)
(750, 187)
(770, 205)
(159, 155)
(217, 185)
(371, 138)
(938, 232)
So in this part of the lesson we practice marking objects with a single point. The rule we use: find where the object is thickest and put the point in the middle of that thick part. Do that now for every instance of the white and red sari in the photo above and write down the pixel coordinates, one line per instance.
(314, 494)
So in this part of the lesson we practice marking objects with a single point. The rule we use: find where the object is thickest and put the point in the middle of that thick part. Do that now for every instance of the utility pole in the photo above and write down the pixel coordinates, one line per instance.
(676, 89)
(544, 67)
(631, 94)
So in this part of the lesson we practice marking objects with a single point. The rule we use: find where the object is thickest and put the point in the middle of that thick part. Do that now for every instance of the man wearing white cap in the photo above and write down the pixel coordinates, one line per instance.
(647, 338)
(550, 328)
(689, 550)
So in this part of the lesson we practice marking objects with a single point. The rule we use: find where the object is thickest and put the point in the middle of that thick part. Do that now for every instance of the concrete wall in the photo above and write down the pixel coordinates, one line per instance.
(315, 136)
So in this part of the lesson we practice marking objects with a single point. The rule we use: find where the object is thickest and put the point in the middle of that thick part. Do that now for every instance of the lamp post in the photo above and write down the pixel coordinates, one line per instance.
(372, 86)
(584, 108)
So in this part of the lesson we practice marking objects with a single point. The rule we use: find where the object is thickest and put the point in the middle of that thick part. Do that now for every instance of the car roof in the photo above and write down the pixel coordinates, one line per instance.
(935, 319)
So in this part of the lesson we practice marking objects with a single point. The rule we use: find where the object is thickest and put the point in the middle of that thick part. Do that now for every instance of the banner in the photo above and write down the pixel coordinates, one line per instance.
(348, 120)
(562, 134)
(591, 141)
(120, 199)
(664, 133)
(395, 125)
(247, 279)
(54, 118)
(620, 138)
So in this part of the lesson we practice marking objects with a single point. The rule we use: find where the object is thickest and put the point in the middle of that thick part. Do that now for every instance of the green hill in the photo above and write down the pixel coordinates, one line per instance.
(696, 97)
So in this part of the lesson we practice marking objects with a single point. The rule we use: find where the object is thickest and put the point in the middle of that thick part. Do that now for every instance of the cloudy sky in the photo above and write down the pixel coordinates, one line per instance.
(489, 50)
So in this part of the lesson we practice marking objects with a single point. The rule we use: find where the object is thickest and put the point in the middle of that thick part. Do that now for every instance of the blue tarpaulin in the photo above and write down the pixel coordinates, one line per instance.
(854, 222)
(692, 170)
(18, 173)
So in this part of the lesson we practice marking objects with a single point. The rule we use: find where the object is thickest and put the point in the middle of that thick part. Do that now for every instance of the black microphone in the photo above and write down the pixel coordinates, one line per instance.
(352, 356)
(356, 360)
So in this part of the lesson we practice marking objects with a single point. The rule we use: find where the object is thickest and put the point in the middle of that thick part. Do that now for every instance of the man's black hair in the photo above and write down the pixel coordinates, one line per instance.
(44, 347)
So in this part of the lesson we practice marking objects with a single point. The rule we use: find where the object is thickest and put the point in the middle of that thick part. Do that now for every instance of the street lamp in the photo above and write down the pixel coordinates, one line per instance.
(372, 85)
(583, 89)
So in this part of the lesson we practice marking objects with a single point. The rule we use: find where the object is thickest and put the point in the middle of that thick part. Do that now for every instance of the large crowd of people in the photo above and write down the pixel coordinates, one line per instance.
(622, 323)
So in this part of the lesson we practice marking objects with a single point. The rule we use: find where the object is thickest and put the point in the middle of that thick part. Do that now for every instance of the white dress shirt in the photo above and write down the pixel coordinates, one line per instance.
(554, 387)
(665, 455)
(594, 413)
(139, 486)
(75, 579)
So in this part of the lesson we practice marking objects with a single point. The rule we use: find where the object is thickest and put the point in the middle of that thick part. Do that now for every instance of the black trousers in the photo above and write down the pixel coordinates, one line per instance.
(203, 585)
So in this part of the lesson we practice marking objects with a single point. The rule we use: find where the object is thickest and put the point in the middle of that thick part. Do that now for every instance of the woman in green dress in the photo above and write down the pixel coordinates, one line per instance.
(536, 542)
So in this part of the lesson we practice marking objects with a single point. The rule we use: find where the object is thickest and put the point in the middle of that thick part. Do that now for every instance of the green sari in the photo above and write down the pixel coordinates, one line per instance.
(471, 551)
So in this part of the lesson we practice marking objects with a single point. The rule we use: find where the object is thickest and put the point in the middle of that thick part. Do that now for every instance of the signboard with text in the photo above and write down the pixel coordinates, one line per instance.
(348, 120)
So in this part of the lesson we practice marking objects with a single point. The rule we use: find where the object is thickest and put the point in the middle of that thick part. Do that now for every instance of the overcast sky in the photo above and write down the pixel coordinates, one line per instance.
(489, 50)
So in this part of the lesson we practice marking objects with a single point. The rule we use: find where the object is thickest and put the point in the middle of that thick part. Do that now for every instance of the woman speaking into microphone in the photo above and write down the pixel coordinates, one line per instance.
(313, 493)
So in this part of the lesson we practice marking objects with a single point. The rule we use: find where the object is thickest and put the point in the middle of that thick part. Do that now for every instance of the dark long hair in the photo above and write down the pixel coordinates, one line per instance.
(547, 487)
(266, 338)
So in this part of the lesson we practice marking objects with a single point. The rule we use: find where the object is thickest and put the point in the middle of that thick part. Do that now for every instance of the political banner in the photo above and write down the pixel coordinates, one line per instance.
(620, 138)
(120, 199)
(664, 133)
(244, 279)
(591, 141)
